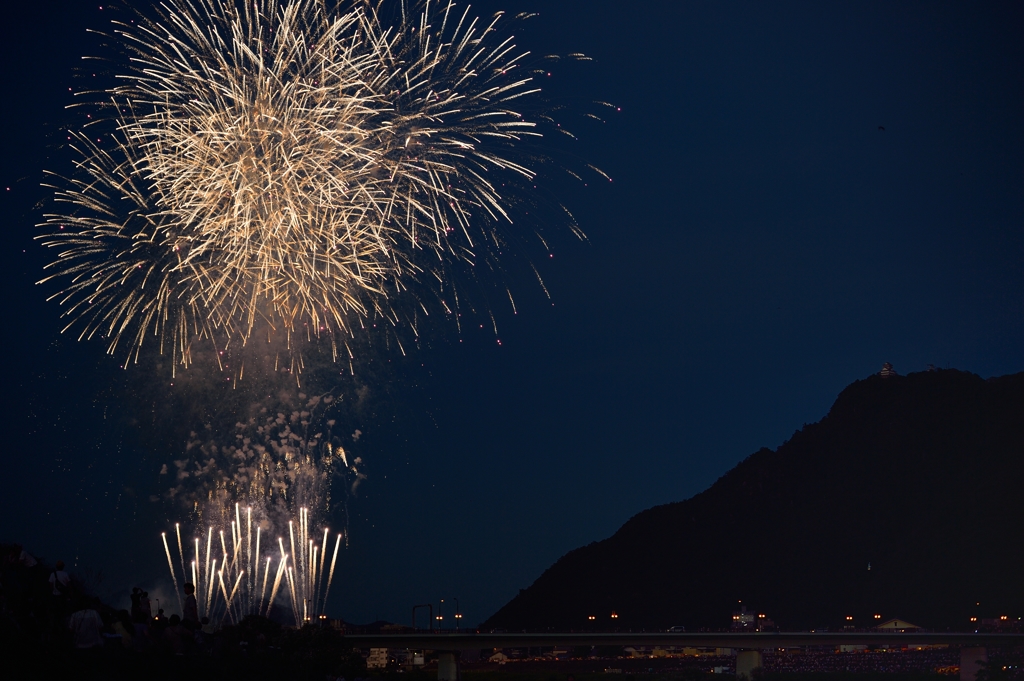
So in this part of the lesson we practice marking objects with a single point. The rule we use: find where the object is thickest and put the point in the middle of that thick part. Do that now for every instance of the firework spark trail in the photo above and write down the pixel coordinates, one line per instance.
(291, 534)
(302, 550)
(209, 574)
(237, 527)
(197, 573)
(263, 591)
(290, 171)
(277, 582)
(248, 561)
(312, 572)
(291, 587)
(334, 559)
(323, 554)
(181, 554)
(223, 590)
(233, 588)
(302, 574)
(170, 564)
(234, 545)
(212, 590)
(256, 576)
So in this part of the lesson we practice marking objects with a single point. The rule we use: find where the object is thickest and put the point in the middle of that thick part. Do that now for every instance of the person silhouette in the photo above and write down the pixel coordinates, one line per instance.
(191, 613)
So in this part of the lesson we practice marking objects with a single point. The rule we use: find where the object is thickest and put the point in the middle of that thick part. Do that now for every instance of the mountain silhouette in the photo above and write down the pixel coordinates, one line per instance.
(906, 500)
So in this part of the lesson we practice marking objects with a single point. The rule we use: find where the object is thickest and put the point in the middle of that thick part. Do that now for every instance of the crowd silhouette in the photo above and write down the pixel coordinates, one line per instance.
(50, 616)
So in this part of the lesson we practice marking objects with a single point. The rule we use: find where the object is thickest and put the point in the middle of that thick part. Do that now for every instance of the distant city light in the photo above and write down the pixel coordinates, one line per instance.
(878, 617)
(615, 616)
(849, 617)
(591, 617)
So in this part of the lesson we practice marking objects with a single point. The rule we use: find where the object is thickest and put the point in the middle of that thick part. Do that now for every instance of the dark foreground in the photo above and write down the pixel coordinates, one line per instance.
(191, 669)
(323, 655)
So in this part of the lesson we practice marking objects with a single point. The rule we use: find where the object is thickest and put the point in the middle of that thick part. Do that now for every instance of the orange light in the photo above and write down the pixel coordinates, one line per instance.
(591, 617)
(615, 616)
(878, 617)
(849, 617)
(974, 619)
(1003, 617)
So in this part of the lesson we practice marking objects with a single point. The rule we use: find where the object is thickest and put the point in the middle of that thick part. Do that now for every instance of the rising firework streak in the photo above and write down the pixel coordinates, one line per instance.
(232, 583)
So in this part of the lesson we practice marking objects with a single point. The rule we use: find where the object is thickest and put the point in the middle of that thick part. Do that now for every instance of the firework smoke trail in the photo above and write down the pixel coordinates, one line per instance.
(290, 171)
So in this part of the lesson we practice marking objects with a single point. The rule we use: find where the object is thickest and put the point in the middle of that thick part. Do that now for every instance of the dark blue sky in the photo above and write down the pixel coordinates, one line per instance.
(763, 245)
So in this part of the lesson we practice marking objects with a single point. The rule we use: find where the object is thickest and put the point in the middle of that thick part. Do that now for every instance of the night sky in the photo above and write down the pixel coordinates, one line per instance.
(764, 243)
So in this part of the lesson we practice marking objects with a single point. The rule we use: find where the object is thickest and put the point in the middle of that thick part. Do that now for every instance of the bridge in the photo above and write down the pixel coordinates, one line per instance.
(973, 646)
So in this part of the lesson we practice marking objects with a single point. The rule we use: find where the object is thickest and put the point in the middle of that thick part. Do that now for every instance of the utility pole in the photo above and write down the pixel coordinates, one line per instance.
(430, 610)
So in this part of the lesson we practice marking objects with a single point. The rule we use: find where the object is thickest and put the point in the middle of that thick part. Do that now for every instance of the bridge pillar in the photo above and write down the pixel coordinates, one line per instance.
(448, 666)
(970, 662)
(749, 660)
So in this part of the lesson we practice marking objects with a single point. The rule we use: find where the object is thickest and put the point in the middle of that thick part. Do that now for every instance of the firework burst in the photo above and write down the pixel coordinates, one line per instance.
(287, 172)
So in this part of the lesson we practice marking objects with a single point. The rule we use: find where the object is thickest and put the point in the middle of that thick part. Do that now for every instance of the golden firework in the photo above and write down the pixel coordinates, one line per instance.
(286, 170)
